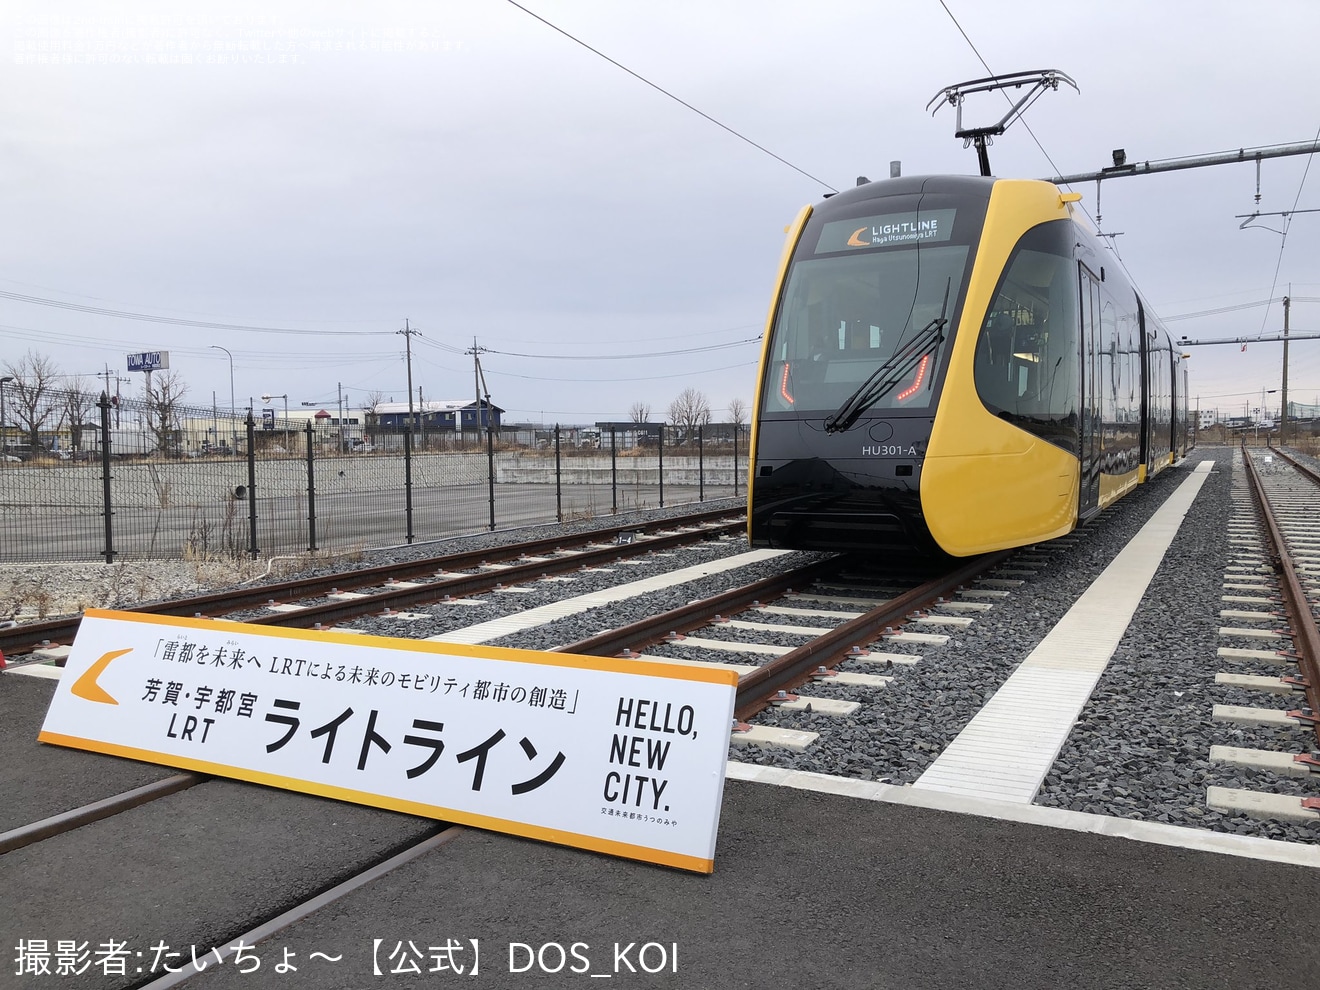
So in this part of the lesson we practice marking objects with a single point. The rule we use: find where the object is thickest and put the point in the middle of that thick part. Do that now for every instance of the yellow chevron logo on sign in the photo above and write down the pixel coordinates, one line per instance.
(85, 687)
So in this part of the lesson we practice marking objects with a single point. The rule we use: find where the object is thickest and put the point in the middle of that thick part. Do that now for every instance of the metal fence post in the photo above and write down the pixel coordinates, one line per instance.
(252, 483)
(737, 428)
(490, 458)
(559, 490)
(701, 464)
(107, 508)
(614, 475)
(407, 481)
(660, 472)
(311, 493)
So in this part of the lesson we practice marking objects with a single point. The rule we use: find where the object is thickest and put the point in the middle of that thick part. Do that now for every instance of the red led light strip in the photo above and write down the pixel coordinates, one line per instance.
(921, 374)
(783, 386)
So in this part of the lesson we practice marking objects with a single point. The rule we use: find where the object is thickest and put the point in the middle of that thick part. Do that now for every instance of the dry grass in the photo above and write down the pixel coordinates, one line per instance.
(39, 591)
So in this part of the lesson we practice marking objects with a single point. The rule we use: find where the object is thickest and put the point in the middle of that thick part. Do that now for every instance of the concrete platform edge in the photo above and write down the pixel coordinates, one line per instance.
(1158, 833)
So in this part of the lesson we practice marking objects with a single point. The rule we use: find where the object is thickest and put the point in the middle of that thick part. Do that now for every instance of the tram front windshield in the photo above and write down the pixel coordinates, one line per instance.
(846, 315)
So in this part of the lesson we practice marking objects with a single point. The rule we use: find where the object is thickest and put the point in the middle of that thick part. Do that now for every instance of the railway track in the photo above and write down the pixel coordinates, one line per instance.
(817, 581)
(868, 631)
(758, 689)
(1269, 628)
(400, 584)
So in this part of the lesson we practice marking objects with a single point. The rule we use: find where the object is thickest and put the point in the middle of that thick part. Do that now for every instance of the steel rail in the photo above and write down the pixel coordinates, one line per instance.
(599, 645)
(459, 585)
(651, 630)
(277, 924)
(757, 687)
(1301, 621)
(1306, 470)
(27, 636)
(638, 634)
(25, 835)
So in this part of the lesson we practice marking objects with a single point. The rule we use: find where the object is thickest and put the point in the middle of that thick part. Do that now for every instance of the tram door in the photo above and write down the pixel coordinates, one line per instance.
(1092, 430)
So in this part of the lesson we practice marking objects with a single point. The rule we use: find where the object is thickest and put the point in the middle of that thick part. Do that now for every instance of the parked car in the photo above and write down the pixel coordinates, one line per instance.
(19, 451)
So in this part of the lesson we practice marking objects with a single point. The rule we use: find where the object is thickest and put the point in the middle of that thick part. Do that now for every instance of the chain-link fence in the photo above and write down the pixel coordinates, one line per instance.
(142, 479)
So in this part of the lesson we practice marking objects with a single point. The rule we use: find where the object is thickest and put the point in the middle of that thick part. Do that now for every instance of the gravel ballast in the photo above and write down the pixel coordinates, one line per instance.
(1140, 748)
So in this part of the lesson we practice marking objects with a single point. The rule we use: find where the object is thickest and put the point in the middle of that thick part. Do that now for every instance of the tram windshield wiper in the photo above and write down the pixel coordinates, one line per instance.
(887, 377)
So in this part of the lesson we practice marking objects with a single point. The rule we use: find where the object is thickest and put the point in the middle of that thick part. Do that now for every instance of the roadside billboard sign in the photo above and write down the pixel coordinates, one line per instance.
(149, 361)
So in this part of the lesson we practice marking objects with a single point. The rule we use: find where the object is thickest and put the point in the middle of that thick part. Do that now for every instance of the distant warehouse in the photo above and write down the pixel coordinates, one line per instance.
(454, 415)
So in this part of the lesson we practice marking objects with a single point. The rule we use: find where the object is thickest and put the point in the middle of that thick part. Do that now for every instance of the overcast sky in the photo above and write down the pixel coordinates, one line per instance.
(324, 171)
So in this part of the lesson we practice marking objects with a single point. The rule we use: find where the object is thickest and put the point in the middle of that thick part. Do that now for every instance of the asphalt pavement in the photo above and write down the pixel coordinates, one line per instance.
(809, 890)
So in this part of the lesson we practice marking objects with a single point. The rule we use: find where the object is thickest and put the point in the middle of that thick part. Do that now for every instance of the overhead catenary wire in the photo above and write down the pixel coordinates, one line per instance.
(986, 64)
(1287, 225)
(676, 99)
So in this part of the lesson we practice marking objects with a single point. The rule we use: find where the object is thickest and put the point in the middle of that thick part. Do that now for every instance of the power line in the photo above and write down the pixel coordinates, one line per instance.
(672, 336)
(29, 334)
(625, 357)
(1217, 312)
(178, 322)
(650, 378)
(661, 89)
(440, 345)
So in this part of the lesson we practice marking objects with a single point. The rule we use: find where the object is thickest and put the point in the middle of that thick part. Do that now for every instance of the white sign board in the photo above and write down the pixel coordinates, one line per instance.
(624, 757)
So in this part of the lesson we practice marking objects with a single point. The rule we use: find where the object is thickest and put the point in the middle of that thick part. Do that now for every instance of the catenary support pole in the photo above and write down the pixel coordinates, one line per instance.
(408, 482)
(311, 491)
(252, 482)
(108, 508)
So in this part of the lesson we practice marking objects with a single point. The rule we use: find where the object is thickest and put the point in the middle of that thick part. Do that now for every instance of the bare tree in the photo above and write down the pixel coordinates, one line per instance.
(737, 411)
(690, 410)
(33, 378)
(639, 412)
(79, 401)
(162, 393)
(369, 405)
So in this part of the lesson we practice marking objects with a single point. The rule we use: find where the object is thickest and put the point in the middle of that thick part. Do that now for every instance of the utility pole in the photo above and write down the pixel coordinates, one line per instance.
(476, 353)
(108, 372)
(408, 332)
(340, 386)
(119, 399)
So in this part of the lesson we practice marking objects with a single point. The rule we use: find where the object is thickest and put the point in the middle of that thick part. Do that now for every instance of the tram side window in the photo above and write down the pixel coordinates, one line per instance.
(1027, 350)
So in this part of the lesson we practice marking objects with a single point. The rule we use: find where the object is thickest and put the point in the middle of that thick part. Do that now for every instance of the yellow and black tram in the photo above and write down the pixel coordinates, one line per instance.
(954, 363)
